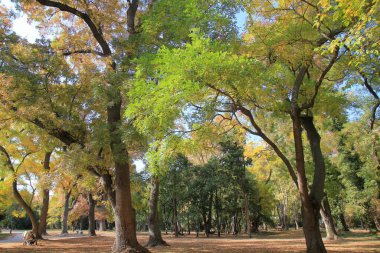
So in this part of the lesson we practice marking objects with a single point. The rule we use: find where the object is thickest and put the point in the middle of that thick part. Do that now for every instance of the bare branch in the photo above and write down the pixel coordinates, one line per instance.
(83, 51)
(321, 78)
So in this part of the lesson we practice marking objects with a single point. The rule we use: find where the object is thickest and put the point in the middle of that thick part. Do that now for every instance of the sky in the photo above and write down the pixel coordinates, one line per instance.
(21, 25)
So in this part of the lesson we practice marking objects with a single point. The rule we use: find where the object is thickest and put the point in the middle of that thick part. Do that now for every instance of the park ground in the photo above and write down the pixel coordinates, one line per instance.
(272, 241)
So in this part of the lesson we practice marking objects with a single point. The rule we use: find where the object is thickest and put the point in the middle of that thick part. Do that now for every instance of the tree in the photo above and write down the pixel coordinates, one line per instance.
(203, 74)
(21, 148)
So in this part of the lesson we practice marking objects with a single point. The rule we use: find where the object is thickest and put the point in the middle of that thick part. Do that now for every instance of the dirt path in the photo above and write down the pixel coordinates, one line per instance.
(290, 241)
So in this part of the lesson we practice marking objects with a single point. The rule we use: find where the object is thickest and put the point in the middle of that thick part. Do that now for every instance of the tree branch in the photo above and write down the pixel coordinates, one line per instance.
(83, 51)
(321, 78)
(96, 31)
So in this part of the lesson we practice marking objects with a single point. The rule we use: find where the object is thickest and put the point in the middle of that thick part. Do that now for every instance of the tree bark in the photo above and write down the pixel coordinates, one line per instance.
(328, 220)
(175, 217)
(310, 201)
(91, 215)
(155, 238)
(45, 199)
(44, 212)
(65, 214)
(343, 222)
(125, 217)
(217, 210)
(247, 219)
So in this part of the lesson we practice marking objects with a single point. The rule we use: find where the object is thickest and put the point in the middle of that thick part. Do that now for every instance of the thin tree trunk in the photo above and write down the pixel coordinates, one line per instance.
(217, 210)
(247, 220)
(325, 211)
(209, 214)
(175, 217)
(102, 225)
(343, 222)
(45, 199)
(91, 215)
(155, 238)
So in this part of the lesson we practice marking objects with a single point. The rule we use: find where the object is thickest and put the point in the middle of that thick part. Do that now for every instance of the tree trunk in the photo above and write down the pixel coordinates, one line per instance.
(311, 230)
(44, 212)
(28, 210)
(247, 220)
(209, 214)
(106, 180)
(311, 202)
(325, 211)
(343, 221)
(377, 223)
(125, 217)
(102, 225)
(45, 199)
(65, 215)
(175, 217)
(217, 210)
(91, 215)
(155, 238)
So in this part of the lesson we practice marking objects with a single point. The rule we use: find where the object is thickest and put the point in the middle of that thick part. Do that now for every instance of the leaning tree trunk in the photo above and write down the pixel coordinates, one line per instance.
(65, 215)
(328, 220)
(311, 202)
(45, 199)
(155, 238)
(91, 215)
(28, 210)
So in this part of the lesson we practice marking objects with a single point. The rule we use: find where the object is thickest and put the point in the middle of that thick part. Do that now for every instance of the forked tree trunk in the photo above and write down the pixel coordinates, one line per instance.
(311, 202)
(45, 199)
(325, 211)
(155, 238)
(91, 215)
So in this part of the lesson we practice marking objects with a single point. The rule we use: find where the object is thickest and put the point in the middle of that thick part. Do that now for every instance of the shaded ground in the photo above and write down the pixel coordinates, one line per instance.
(290, 241)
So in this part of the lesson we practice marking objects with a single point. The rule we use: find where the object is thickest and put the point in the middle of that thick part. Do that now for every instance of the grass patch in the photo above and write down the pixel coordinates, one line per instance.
(368, 234)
